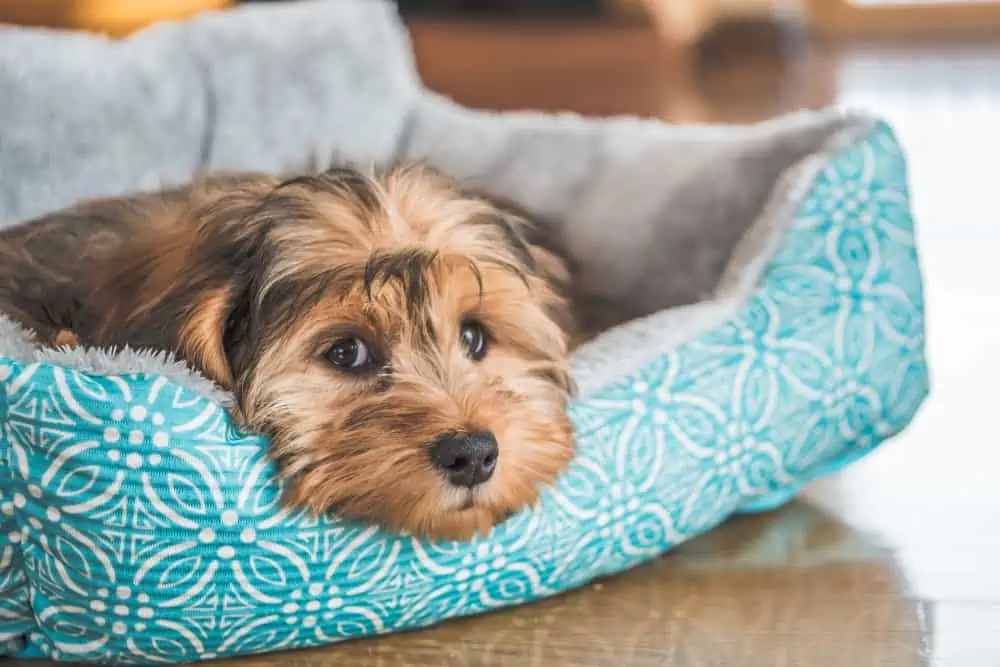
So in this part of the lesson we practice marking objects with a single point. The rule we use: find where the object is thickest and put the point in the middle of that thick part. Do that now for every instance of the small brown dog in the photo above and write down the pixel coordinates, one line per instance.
(401, 341)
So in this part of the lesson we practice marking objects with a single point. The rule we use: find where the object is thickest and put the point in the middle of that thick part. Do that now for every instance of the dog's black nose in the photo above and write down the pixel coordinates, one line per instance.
(466, 459)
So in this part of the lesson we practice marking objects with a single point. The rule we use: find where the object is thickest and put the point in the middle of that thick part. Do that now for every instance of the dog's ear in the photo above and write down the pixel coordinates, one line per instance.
(173, 271)
(556, 273)
(215, 335)
(237, 345)
(550, 279)
(525, 233)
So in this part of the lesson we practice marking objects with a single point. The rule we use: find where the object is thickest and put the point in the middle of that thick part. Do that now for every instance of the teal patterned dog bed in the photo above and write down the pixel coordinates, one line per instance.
(139, 526)
(768, 274)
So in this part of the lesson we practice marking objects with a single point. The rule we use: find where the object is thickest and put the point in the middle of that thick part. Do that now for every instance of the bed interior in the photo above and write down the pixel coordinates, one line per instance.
(623, 331)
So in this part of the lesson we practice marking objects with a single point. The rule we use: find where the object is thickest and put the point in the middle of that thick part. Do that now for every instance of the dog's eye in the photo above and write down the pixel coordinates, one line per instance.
(350, 354)
(474, 339)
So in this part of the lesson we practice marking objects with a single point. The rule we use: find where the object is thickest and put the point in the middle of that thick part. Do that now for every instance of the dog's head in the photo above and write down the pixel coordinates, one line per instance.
(400, 341)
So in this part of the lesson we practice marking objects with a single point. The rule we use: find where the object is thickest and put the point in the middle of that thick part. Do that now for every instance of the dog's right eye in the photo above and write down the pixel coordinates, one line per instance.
(350, 354)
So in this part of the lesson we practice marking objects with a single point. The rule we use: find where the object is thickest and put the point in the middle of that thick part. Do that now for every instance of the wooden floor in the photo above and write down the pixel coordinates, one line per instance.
(895, 563)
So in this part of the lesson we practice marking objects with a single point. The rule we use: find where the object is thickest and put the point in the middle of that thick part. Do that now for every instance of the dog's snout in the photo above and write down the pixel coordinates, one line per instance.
(466, 459)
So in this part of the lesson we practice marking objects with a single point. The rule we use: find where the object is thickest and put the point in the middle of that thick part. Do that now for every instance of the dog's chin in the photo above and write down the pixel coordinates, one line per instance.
(468, 513)
(459, 521)
(464, 521)
(441, 514)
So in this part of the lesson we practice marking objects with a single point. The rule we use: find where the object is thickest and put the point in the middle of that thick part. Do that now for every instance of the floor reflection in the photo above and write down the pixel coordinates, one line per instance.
(792, 588)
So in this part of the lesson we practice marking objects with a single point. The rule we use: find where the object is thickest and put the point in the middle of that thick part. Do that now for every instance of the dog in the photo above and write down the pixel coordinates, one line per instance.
(401, 341)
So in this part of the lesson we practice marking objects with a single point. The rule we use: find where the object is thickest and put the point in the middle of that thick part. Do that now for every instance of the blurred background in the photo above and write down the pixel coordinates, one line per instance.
(931, 66)
(892, 563)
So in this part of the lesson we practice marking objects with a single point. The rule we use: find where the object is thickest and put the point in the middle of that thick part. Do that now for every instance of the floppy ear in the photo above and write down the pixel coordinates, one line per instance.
(215, 335)
(581, 315)
(212, 335)
(527, 233)
(237, 343)
(190, 304)
(550, 268)
(182, 282)
(217, 332)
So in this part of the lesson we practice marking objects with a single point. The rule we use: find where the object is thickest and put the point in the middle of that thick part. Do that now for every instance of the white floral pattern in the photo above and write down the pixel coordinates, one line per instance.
(138, 526)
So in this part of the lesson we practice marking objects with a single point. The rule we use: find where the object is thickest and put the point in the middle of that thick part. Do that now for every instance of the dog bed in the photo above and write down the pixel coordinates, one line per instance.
(769, 275)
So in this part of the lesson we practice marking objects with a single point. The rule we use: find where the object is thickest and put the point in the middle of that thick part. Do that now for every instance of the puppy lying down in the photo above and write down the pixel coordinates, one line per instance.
(402, 342)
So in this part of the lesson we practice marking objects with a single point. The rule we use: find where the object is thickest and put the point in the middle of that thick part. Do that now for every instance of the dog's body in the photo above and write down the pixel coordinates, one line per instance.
(402, 342)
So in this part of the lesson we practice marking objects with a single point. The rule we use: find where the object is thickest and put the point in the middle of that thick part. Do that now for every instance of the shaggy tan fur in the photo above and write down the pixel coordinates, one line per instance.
(256, 281)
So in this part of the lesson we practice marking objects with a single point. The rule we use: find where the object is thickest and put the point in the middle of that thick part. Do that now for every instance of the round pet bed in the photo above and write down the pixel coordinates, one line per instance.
(775, 334)
(140, 526)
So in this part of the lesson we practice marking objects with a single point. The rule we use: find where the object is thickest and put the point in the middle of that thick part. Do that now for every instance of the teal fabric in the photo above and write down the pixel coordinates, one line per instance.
(140, 526)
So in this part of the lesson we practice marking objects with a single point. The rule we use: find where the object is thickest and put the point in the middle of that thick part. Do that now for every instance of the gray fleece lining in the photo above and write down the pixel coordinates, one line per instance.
(19, 344)
(625, 349)
(612, 355)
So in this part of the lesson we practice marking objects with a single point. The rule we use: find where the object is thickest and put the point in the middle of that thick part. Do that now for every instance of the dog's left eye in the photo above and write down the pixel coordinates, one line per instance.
(474, 339)
(350, 354)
